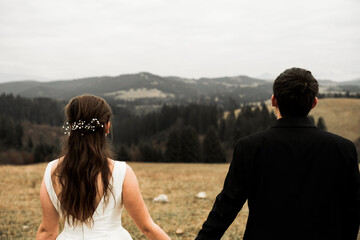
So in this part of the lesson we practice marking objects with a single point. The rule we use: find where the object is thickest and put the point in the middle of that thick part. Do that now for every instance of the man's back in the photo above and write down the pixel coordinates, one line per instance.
(299, 182)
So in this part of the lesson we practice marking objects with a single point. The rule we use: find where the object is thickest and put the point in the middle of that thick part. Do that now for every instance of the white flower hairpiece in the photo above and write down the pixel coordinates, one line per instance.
(82, 126)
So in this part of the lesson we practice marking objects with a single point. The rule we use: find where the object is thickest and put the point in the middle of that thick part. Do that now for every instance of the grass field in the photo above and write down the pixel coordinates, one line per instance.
(342, 116)
(20, 212)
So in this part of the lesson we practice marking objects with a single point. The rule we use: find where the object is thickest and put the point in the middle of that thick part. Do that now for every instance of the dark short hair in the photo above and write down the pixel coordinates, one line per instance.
(295, 90)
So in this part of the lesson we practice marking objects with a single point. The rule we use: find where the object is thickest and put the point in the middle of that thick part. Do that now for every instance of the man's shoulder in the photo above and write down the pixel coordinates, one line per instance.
(332, 137)
(255, 138)
(316, 134)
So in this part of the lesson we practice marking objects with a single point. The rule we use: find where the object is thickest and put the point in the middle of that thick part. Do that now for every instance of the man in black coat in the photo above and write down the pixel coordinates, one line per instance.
(301, 183)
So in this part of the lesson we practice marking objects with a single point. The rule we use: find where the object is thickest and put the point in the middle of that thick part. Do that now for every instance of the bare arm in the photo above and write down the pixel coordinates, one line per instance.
(137, 210)
(49, 227)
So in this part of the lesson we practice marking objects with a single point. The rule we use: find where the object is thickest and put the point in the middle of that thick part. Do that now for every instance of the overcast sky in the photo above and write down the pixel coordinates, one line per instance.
(68, 39)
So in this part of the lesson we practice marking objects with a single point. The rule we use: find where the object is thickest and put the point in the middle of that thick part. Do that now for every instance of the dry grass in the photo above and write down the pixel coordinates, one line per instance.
(20, 211)
(341, 115)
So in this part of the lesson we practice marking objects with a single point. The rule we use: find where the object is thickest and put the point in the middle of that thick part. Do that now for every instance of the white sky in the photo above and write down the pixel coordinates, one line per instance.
(67, 39)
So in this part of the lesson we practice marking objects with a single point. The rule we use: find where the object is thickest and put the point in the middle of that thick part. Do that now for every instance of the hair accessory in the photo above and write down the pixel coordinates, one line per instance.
(82, 126)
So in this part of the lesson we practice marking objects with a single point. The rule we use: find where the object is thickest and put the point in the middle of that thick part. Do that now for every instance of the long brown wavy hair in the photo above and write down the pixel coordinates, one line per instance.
(86, 154)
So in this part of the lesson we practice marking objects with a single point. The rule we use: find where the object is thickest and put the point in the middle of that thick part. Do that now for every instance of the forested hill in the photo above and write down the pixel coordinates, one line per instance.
(134, 87)
(30, 131)
(148, 91)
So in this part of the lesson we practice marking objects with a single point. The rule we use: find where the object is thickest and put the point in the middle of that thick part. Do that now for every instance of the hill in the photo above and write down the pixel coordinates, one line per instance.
(342, 116)
(144, 85)
(150, 91)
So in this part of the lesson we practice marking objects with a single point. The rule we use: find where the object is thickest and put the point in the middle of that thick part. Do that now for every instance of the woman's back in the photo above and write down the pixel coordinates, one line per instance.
(107, 216)
(84, 188)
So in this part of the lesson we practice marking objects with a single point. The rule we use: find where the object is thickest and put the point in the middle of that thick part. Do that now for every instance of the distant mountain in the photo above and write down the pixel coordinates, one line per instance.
(144, 86)
(149, 89)
(353, 82)
(7, 77)
(18, 87)
(327, 86)
(351, 86)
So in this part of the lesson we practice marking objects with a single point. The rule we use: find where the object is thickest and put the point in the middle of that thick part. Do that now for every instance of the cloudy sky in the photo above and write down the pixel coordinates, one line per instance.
(68, 39)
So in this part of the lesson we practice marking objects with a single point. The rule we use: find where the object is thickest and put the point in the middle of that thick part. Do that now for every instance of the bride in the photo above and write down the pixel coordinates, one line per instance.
(85, 188)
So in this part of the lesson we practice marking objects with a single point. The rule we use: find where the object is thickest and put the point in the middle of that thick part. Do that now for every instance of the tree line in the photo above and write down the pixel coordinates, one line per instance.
(191, 133)
(130, 128)
(347, 94)
(174, 133)
(36, 110)
(14, 111)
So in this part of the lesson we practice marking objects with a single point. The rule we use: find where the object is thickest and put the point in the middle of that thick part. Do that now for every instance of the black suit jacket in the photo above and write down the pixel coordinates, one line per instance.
(300, 182)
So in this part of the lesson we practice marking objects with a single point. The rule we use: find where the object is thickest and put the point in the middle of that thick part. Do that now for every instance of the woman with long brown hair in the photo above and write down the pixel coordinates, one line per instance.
(85, 188)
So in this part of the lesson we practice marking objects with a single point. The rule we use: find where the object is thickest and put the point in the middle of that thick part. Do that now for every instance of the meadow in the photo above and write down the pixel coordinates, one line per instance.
(342, 116)
(20, 211)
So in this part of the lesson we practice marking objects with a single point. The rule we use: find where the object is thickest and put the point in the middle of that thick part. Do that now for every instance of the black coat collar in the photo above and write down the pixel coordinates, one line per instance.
(294, 122)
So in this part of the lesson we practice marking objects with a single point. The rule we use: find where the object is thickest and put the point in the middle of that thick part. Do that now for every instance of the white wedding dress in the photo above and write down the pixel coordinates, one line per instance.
(107, 219)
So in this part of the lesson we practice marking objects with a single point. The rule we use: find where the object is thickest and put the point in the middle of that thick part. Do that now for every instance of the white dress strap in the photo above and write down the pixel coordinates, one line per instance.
(118, 176)
(50, 187)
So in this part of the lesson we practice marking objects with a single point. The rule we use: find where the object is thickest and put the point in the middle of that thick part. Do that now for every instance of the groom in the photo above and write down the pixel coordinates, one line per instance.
(300, 182)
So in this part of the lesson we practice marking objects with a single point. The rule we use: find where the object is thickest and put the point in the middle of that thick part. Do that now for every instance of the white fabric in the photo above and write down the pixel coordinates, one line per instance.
(107, 219)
